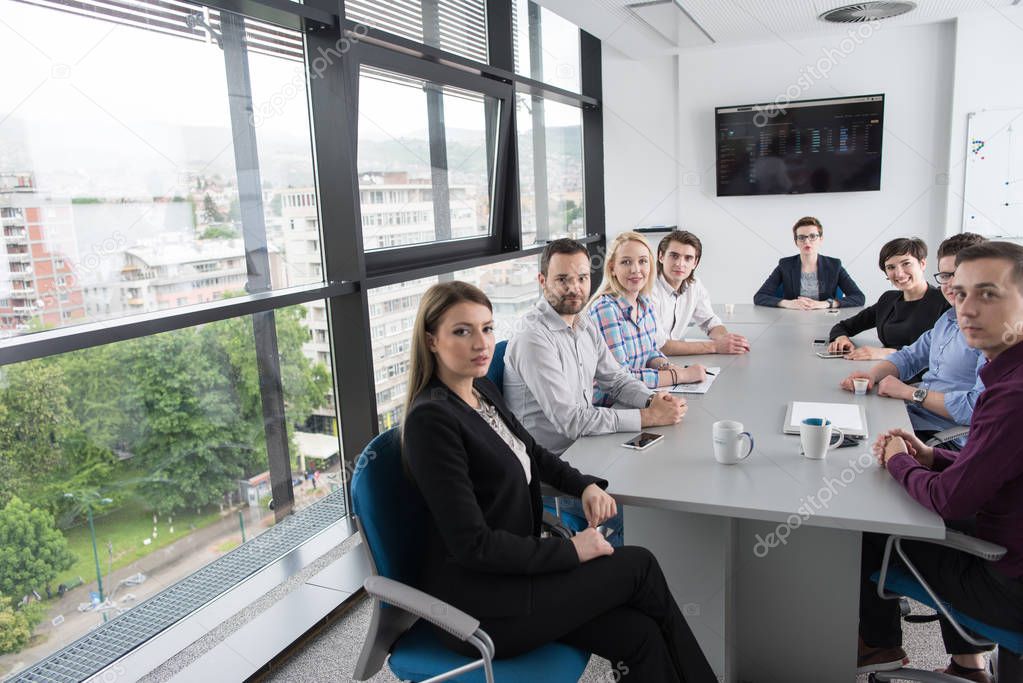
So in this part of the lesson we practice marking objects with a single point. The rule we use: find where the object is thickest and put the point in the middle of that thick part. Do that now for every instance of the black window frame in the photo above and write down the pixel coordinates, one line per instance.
(348, 271)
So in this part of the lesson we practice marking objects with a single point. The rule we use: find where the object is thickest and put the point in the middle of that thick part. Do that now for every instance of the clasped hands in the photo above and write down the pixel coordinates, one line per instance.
(598, 506)
(895, 441)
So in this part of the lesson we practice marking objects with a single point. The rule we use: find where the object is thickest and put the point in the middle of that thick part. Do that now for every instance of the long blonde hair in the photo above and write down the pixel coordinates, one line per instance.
(432, 306)
(611, 284)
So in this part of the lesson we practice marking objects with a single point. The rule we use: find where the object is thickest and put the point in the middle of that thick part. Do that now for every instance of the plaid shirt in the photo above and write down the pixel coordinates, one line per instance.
(633, 344)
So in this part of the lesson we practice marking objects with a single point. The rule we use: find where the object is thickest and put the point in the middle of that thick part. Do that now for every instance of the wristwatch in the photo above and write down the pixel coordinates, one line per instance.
(832, 303)
(649, 400)
(919, 395)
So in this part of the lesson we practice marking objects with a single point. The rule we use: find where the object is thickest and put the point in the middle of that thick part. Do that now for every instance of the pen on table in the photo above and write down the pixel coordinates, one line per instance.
(705, 371)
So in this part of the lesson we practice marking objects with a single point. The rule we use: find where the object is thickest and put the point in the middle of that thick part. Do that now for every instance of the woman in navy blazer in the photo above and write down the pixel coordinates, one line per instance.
(808, 280)
(479, 472)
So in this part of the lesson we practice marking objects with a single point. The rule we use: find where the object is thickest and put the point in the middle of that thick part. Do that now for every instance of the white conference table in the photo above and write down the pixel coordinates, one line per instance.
(763, 556)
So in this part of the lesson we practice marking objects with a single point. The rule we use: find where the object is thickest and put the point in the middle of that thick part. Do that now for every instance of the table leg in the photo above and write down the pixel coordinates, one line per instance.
(695, 552)
(796, 603)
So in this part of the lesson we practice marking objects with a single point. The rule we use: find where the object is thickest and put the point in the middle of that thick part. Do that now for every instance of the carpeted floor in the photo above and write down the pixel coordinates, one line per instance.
(331, 656)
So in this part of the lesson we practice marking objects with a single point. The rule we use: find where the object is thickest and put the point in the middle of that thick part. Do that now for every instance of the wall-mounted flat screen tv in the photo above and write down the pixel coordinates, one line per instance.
(831, 145)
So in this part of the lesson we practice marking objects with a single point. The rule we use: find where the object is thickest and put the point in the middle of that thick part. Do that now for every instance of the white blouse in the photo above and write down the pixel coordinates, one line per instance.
(490, 415)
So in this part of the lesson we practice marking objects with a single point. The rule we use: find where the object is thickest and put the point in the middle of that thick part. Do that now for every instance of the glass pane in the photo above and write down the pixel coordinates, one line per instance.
(425, 161)
(550, 169)
(161, 441)
(546, 46)
(119, 200)
(458, 26)
(511, 286)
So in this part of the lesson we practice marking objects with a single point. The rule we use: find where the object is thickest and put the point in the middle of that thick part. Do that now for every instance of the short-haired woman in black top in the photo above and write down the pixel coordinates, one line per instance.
(479, 472)
(900, 316)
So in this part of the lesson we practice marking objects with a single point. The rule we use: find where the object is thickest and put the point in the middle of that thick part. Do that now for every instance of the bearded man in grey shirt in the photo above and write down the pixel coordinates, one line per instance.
(554, 357)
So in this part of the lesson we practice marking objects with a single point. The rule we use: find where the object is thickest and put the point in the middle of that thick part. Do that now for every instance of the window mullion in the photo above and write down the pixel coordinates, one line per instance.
(264, 329)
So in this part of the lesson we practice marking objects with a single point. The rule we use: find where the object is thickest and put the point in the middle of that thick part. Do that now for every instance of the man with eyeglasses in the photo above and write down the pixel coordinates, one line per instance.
(951, 384)
(809, 281)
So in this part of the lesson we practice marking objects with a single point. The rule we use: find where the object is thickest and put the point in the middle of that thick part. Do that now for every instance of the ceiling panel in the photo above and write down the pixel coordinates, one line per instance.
(647, 27)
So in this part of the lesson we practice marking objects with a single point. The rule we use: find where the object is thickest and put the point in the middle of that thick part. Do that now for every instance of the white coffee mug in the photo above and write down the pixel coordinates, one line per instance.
(815, 435)
(728, 436)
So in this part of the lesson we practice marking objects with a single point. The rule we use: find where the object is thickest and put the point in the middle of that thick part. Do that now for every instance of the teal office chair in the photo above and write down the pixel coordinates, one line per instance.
(893, 582)
(392, 516)
(553, 513)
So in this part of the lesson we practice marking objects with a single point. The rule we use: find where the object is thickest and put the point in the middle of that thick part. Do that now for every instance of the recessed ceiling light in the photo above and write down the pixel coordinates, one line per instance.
(867, 11)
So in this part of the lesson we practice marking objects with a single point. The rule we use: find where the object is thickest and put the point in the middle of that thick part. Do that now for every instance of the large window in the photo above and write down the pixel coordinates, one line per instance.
(121, 200)
(425, 160)
(511, 286)
(155, 452)
(211, 263)
(550, 169)
(546, 46)
(456, 26)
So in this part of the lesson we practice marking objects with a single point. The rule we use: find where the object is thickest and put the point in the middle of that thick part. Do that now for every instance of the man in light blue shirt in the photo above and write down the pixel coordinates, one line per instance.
(948, 391)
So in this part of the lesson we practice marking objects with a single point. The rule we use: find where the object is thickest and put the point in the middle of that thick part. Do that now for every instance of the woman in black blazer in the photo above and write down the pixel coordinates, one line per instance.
(899, 316)
(479, 472)
(808, 280)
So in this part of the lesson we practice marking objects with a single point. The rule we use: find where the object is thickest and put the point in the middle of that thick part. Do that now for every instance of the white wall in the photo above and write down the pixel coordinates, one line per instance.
(745, 236)
(988, 75)
(640, 140)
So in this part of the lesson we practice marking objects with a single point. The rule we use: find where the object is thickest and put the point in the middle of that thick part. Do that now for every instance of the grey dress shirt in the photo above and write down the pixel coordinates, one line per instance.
(549, 372)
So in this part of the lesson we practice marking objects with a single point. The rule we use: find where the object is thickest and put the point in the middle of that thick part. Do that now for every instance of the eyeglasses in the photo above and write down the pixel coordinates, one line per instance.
(943, 278)
(808, 238)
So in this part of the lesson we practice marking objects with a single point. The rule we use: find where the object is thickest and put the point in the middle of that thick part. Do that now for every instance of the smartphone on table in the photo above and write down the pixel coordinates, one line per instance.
(643, 441)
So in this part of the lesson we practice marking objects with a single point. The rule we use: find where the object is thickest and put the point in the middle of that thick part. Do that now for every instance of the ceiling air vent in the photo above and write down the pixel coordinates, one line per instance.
(867, 11)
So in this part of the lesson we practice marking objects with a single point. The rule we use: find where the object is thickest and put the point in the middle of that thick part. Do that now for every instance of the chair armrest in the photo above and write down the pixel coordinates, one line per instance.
(947, 435)
(986, 550)
(423, 605)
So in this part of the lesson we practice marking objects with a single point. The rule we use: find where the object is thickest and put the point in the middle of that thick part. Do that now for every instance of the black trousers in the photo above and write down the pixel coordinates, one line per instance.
(618, 607)
(966, 582)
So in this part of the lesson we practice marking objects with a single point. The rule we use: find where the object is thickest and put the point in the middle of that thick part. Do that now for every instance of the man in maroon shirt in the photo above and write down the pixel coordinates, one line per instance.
(982, 484)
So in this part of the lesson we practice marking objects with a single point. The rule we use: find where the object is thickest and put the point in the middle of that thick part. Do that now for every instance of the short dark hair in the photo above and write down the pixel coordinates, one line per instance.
(914, 246)
(956, 243)
(1004, 251)
(682, 237)
(564, 245)
(805, 221)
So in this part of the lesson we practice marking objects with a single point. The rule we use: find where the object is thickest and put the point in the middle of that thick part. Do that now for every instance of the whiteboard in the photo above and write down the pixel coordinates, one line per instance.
(993, 195)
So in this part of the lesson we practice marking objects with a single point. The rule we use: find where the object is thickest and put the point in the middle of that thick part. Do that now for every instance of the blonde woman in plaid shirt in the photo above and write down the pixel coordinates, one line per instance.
(624, 312)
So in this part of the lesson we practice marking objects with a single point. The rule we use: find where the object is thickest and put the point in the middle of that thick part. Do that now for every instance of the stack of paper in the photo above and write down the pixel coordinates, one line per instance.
(700, 388)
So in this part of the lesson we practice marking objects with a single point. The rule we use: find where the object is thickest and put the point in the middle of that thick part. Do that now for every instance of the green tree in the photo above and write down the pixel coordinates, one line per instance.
(16, 625)
(34, 419)
(192, 447)
(218, 232)
(32, 551)
(210, 212)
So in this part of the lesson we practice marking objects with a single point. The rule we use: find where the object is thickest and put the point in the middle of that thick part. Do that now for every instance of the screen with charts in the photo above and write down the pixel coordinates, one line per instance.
(831, 145)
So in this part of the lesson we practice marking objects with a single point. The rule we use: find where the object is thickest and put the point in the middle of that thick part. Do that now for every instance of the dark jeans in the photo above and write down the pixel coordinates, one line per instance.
(966, 582)
(618, 607)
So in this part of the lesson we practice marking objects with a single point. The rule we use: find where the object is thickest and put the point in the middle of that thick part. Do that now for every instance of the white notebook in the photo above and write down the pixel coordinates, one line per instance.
(849, 417)
(700, 388)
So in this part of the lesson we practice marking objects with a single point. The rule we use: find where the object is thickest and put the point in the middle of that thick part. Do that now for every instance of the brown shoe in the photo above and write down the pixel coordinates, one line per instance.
(870, 659)
(967, 674)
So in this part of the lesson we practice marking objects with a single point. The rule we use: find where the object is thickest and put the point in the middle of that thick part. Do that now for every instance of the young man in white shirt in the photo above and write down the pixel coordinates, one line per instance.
(680, 298)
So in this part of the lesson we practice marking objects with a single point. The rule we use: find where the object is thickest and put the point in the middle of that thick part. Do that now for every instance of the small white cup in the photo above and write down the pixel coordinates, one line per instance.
(729, 309)
(728, 436)
(860, 385)
(815, 435)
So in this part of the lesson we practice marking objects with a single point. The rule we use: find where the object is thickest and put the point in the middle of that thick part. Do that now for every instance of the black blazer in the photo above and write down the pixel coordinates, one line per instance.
(899, 322)
(484, 537)
(833, 281)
